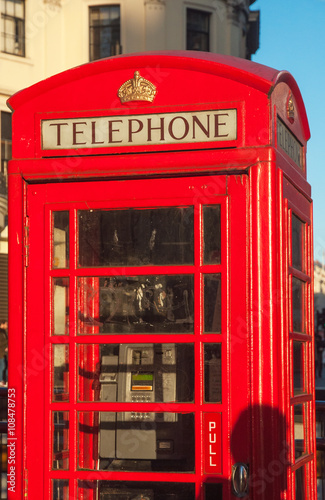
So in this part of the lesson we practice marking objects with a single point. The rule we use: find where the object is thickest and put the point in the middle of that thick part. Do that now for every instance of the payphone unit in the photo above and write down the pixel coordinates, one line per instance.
(145, 373)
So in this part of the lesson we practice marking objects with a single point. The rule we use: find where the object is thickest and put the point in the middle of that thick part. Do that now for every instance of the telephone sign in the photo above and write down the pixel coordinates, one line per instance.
(161, 283)
(167, 128)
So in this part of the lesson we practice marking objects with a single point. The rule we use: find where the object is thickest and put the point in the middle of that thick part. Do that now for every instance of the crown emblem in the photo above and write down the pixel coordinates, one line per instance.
(137, 89)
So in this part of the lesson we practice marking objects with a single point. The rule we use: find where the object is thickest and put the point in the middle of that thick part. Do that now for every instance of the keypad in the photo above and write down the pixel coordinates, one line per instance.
(143, 398)
(141, 416)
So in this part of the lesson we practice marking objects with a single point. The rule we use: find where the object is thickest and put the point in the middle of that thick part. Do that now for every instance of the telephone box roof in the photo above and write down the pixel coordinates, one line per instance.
(257, 76)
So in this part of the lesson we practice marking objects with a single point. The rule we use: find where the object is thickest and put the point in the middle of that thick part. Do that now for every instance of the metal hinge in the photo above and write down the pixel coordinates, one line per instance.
(26, 241)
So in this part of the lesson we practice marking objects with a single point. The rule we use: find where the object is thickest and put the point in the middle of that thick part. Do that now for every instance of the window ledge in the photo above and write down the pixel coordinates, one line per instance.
(16, 59)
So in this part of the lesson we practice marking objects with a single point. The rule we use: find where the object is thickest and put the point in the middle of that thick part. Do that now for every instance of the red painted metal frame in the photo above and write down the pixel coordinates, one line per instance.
(202, 190)
(260, 419)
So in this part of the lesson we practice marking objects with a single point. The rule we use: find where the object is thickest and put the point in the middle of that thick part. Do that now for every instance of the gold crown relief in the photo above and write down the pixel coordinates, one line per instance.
(137, 89)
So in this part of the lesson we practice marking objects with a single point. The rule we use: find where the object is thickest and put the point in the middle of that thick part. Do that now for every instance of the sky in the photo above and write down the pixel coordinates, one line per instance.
(292, 38)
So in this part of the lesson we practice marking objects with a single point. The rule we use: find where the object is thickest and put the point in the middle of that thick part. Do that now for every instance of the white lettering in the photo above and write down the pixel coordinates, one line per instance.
(212, 438)
(212, 425)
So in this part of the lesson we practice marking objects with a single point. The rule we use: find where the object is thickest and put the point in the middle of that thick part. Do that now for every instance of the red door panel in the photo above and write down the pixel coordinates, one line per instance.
(137, 338)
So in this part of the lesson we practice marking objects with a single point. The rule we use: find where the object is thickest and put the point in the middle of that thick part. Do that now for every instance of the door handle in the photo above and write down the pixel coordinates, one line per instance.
(239, 480)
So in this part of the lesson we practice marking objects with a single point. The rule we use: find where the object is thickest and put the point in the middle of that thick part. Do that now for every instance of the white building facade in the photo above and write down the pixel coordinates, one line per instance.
(39, 38)
(319, 286)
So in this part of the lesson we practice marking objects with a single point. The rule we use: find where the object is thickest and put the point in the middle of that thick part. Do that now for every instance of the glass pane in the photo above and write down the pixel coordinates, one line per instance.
(212, 234)
(320, 422)
(300, 434)
(104, 31)
(197, 30)
(6, 126)
(104, 15)
(197, 41)
(213, 491)
(298, 368)
(93, 15)
(198, 19)
(136, 304)
(138, 373)
(300, 484)
(60, 440)
(60, 372)
(212, 373)
(212, 303)
(162, 236)
(320, 474)
(136, 441)
(298, 243)
(60, 306)
(19, 9)
(60, 489)
(298, 305)
(118, 490)
(10, 8)
(9, 36)
(60, 240)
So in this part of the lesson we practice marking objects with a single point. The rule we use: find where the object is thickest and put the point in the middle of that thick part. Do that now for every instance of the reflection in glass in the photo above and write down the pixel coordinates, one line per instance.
(298, 243)
(89, 372)
(115, 490)
(212, 303)
(136, 441)
(213, 491)
(60, 489)
(212, 234)
(60, 222)
(299, 431)
(320, 474)
(320, 424)
(134, 237)
(60, 306)
(300, 484)
(212, 373)
(161, 373)
(298, 305)
(60, 440)
(60, 372)
(298, 368)
(136, 304)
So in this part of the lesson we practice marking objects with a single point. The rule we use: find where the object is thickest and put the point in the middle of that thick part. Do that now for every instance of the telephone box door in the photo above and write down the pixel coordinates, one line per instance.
(137, 359)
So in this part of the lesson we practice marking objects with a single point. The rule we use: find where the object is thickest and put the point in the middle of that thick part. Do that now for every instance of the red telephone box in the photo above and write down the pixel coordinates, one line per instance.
(161, 277)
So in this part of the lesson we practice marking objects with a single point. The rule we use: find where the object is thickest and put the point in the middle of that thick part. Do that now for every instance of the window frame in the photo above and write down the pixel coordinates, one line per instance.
(198, 31)
(5, 151)
(19, 28)
(93, 47)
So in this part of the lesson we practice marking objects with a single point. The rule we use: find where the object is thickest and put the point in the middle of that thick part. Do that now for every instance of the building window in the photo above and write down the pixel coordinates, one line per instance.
(198, 30)
(104, 31)
(13, 27)
(5, 150)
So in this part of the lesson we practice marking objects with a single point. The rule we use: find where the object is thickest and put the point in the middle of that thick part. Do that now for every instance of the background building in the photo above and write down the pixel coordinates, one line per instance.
(40, 38)
(319, 285)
